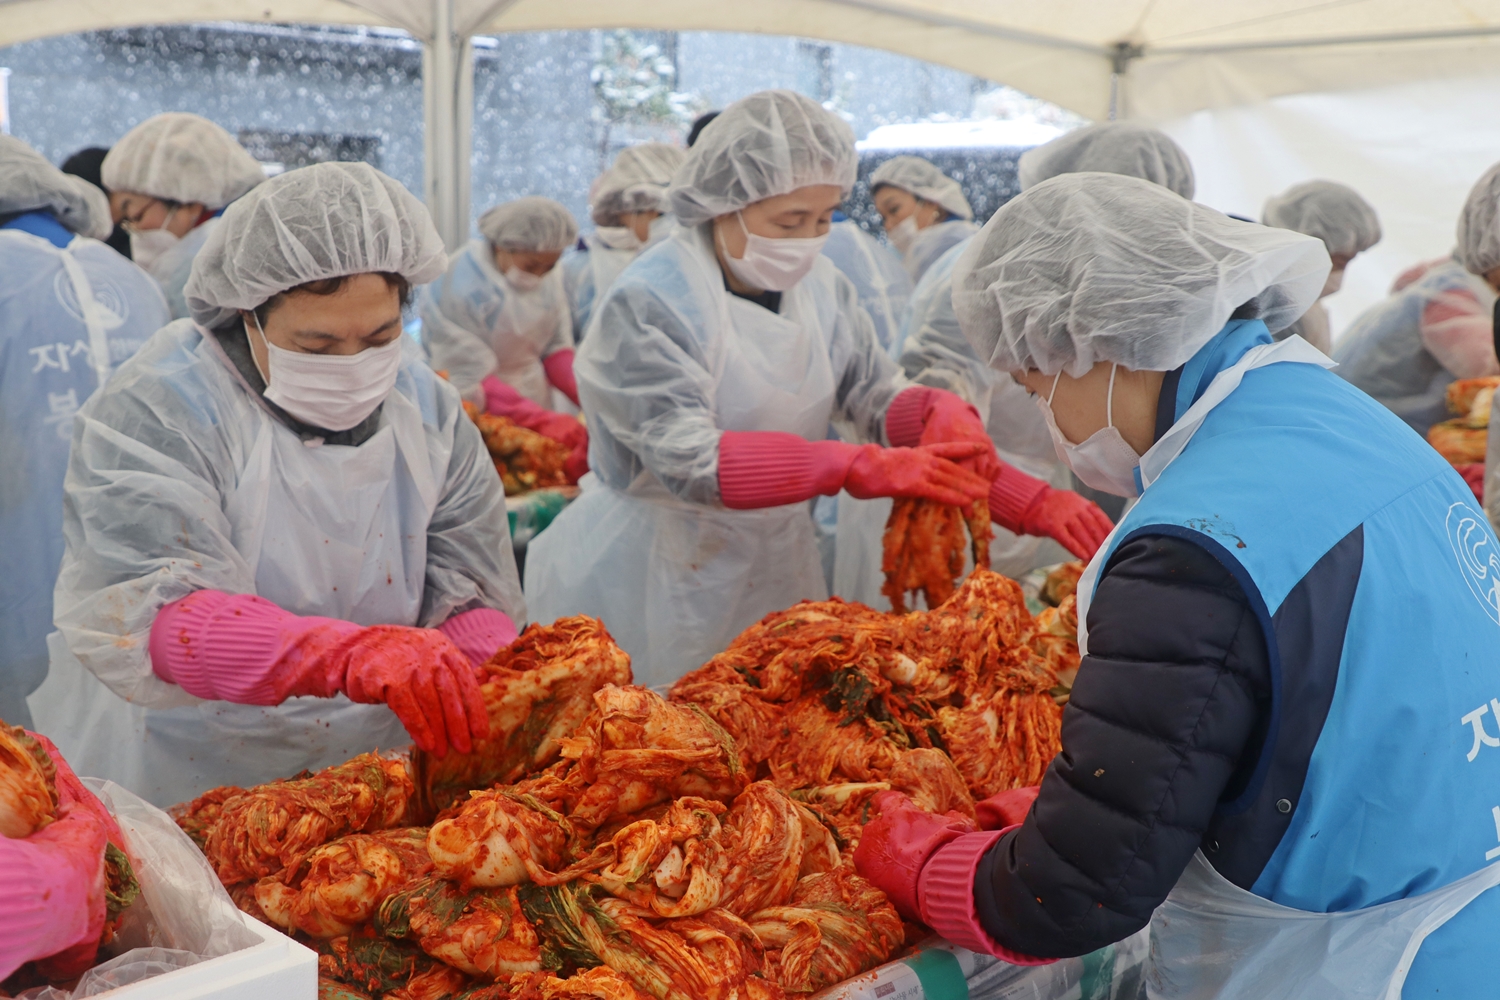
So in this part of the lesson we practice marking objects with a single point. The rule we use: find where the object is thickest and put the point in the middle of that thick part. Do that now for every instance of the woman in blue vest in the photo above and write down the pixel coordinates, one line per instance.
(1283, 748)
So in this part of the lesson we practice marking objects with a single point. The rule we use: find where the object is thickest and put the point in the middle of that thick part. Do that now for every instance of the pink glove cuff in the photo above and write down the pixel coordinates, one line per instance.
(504, 401)
(946, 891)
(559, 368)
(479, 633)
(906, 416)
(1012, 494)
(769, 468)
(237, 647)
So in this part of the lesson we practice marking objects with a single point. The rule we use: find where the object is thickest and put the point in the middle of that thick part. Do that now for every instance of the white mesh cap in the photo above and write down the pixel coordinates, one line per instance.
(636, 182)
(316, 222)
(1111, 148)
(1479, 225)
(181, 157)
(921, 178)
(767, 144)
(28, 183)
(534, 223)
(1099, 267)
(1334, 213)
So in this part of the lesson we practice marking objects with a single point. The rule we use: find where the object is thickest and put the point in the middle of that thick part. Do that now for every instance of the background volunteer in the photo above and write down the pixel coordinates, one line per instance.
(168, 180)
(279, 521)
(1347, 225)
(924, 211)
(709, 379)
(1227, 762)
(70, 310)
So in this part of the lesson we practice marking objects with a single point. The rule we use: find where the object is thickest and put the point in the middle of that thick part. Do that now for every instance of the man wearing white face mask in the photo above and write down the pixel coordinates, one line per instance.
(710, 377)
(924, 210)
(498, 322)
(285, 544)
(1346, 224)
(169, 179)
(1228, 773)
(629, 207)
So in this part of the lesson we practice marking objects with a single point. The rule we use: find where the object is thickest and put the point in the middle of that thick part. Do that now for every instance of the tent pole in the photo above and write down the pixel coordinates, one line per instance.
(441, 66)
(1120, 56)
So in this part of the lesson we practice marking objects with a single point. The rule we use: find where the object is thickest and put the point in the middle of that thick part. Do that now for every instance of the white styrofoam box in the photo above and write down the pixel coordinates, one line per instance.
(277, 968)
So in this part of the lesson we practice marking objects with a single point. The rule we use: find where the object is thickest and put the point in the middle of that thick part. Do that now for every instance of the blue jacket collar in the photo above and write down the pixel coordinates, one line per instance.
(41, 223)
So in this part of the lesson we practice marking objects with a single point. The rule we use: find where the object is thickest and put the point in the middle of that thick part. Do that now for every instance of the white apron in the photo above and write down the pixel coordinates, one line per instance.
(322, 528)
(675, 581)
(528, 324)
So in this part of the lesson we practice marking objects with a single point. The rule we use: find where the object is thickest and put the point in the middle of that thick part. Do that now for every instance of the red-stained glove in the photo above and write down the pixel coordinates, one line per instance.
(1027, 505)
(504, 401)
(1007, 808)
(943, 417)
(1473, 473)
(480, 634)
(245, 649)
(559, 368)
(896, 844)
(931, 471)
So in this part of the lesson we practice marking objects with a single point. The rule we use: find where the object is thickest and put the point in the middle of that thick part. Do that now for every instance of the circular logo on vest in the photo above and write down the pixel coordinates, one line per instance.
(1478, 557)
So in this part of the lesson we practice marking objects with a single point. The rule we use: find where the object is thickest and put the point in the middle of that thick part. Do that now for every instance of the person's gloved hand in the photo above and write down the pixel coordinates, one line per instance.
(424, 679)
(1473, 474)
(576, 466)
(504, 401)
(1076, 524)
(1007, 808)
(928, 471)
(897, 843)
(480, 633)
(949, 418)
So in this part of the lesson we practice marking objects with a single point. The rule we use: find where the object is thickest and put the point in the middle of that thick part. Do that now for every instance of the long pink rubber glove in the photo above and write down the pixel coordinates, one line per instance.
(926, 864)
(52, 882)
(559, 368)
(770, 468)
(1019, 503)
(504, 401)
(480, 634)
(245, 649)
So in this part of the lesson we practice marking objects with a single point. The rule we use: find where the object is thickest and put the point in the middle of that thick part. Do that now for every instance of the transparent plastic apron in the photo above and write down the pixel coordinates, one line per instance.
(528, 322)
(1212, 940)
(327, 530)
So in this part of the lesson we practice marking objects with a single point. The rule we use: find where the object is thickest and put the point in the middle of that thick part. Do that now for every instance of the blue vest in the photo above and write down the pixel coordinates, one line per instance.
(41, 223)
(1293, 479)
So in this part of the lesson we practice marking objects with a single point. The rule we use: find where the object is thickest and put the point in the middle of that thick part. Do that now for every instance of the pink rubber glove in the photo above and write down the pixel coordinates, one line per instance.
(480, 634)
(945, 892)
(559, 368)
(924, 415)
(504, 401)
(895, 846)
(244, 649)
(1028, 506)
(52, 883)
(1005, 809)
(769, 469)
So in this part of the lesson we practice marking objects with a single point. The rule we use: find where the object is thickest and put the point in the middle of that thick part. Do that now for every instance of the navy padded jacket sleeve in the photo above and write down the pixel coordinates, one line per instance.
(1165, 720)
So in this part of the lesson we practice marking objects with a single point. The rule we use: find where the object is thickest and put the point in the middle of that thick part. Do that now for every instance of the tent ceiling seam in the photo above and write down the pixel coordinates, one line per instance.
(978, 27)
(1310, 43)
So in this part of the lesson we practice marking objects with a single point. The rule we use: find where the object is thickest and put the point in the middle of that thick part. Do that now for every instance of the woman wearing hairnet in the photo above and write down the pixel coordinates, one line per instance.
(1279, 750)
(169, 179)
(630, 210)
(285, 542)
(924, 211)
(70, 310)
(1347, 225)
(710, 377)
(1405, 350)
(498, 322)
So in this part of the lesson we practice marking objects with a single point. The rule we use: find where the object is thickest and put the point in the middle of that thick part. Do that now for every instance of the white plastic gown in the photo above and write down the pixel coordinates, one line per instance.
(586, 272)
(671, 362)
(61, 310)
(172, 269)
(1404, 351)
(884, 286)
(181, 479)
(934, 241)
(936, 354)
(475, 324)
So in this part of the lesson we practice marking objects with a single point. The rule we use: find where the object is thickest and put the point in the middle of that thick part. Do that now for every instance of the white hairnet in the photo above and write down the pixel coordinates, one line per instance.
(1334, 213)
(1479, 225)
(535, 223)
(919, 177)
(1099, 267)
(637, 182)
(317, 222)
(1111, 148)
(28, 183)
(181, 157)
(767, 144)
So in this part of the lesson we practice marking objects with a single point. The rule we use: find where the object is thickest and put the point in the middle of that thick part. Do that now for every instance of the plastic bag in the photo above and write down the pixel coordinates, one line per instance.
(182, 917)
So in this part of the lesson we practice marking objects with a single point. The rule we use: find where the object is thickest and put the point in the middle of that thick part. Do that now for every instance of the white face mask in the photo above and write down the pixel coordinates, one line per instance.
(904, 233)
(1105, 461)
(618, 237)
(523, 281)
(1333, 284)
(148, 245)
(329, 391)
(775, 265)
